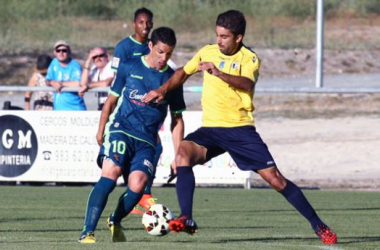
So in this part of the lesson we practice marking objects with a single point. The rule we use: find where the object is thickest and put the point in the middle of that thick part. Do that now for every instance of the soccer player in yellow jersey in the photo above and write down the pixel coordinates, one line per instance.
(231, 72)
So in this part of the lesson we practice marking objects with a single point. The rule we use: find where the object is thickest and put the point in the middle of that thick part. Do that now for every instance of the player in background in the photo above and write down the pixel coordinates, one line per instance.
(231, 72)
(128, 131)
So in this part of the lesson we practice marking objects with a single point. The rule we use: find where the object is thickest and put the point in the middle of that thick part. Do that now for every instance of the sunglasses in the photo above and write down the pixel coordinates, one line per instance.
(61, 50)
(98, 56)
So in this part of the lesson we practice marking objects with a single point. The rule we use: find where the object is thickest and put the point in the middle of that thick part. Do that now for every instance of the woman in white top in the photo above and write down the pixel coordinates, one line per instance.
(43, 99)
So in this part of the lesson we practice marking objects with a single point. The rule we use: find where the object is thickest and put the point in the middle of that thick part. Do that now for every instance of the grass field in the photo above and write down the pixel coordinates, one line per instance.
(37, 218)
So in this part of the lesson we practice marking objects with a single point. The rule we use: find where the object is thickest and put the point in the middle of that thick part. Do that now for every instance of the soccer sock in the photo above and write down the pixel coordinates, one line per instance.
(294, 196)
(96, 203)
(126, 204)
(185, 189)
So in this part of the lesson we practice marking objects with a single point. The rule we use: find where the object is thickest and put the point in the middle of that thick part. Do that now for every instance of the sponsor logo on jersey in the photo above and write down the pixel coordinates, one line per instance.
(136, 98)
(116, 157)
(235, 65)
(270, 163)
(149, 165)
(221, 65)
(115, 62)
(136, 76)
(137, 54)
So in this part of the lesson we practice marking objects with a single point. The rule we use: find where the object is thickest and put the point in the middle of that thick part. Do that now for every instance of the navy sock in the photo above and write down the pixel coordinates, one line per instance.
(96, 203)
(185, 190)
(294, 196)
(126, 204)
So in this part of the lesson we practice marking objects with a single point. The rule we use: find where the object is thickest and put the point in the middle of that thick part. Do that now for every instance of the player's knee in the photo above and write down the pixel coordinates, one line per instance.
(278, 183)
(182, 158)
(137, 181)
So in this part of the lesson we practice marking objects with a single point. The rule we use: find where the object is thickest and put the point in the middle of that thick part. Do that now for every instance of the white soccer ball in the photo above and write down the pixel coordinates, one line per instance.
(156, 220)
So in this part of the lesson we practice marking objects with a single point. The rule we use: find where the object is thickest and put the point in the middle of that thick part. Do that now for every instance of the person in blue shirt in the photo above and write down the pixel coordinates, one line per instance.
(128, 130)
(64, 71)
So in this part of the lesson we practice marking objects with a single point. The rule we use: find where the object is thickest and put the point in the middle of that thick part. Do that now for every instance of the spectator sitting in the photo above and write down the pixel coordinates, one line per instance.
(64, 71)
(99, 75)
(44, 99)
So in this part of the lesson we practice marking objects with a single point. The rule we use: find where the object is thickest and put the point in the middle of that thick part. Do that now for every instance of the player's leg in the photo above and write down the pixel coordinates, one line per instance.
(197, 148)
(249, 152)
(147, 199)
(141, 169)
(98, 199)
(188, 155)
(297, 199)
(136, 184)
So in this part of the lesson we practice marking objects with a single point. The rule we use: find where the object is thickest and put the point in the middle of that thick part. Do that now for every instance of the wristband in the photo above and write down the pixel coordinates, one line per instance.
(27, 99)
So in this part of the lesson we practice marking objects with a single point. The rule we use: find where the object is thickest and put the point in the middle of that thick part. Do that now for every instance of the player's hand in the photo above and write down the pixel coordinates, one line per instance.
(209, 67)
(154, 96)
(173, 173)
(99, 138)
(82, 90)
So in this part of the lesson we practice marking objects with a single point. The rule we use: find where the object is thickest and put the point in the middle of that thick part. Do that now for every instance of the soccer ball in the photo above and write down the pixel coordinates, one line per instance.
(156, 220)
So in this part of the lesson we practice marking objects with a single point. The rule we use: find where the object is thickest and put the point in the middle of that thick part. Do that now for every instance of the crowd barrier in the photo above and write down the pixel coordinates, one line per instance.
(60, 146)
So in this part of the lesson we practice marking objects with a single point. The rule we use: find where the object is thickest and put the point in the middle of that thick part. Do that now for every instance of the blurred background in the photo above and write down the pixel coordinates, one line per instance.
(282, 32)
(330, 137)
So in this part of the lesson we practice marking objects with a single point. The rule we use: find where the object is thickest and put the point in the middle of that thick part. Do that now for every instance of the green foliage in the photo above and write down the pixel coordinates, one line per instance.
(171, 11)
(36, 24)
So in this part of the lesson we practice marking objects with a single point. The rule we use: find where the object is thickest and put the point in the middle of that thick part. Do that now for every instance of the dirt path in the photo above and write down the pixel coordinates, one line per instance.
(326, 153)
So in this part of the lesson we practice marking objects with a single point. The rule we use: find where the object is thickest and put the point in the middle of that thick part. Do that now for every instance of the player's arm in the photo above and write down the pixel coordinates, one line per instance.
(177, 128)
(107, 110)
(110, 104)
(240, 82)
(176, 80)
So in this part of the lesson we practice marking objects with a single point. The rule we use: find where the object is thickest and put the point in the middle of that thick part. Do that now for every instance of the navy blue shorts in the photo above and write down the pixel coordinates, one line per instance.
(128, 153)
(244, 145)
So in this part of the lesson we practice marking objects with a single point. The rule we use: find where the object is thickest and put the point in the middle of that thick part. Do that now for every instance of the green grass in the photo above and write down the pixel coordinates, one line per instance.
(51, 218)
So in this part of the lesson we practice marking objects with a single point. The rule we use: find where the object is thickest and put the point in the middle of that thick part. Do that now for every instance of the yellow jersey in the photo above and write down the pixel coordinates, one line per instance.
(222, 104)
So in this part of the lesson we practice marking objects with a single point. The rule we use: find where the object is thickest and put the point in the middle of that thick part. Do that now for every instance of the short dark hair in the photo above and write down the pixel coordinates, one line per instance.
(43, 62)
(143, 10)
(165, 35)
(232, 20)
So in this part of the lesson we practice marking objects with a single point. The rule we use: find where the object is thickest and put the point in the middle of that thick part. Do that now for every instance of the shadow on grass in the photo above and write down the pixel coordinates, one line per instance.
(290, 210)
(341, 240)
(350, 240)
